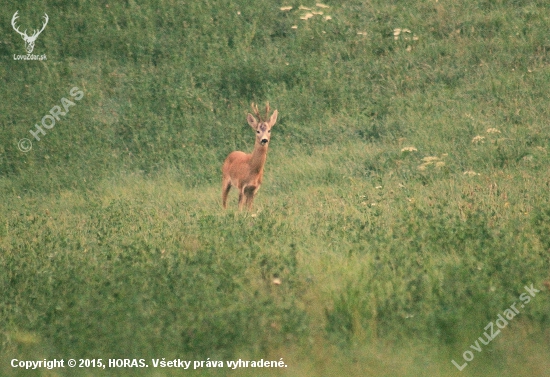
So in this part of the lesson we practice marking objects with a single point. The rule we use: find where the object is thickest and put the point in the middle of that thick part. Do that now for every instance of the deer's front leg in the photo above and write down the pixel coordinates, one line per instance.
(241, 198)
(250, 192)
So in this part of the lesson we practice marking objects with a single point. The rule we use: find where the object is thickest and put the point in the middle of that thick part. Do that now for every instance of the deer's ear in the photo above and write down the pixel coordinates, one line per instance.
(273, 118)
(252, 121)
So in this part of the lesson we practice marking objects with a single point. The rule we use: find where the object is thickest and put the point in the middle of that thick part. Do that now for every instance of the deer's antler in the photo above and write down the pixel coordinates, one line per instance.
(256, 111)
(15, 17)
(267, 110)
(36, 34)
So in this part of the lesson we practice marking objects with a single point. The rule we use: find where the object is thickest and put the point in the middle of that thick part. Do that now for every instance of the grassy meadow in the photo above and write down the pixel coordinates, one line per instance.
(405, 202)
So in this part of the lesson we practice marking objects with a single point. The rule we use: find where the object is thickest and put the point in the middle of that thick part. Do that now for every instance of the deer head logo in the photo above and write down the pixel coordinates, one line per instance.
(29, 40)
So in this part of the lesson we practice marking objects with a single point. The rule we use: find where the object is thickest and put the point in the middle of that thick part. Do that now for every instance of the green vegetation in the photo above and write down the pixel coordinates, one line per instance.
(404, 205)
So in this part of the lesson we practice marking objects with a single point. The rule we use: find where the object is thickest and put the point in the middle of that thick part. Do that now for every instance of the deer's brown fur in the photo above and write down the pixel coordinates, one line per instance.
(245, 171)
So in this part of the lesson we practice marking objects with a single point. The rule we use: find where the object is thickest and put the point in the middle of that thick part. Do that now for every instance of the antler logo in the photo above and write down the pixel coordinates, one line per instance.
(29, 40)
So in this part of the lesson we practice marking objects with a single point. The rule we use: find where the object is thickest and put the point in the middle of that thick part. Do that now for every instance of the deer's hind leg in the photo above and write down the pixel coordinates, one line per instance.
(226, 186)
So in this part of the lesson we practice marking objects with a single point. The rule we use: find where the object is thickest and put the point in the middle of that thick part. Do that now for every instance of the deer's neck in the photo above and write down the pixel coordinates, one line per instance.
(259, 156)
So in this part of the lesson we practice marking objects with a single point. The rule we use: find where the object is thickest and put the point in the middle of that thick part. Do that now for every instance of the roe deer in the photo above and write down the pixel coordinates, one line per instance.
(245, 171)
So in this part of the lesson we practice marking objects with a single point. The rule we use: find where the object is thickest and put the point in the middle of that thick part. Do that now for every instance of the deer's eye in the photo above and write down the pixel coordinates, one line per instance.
(269, 131)
(257, 132)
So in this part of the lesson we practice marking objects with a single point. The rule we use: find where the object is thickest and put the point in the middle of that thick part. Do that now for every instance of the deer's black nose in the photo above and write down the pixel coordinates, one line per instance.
(264, 141)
